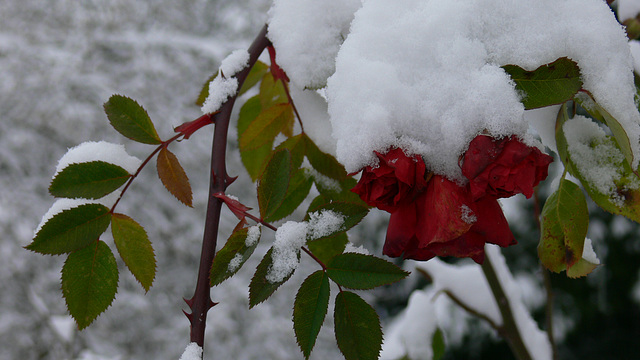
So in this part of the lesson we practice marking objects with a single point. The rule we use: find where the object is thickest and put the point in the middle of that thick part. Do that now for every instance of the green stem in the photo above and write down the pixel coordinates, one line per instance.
(509, 330)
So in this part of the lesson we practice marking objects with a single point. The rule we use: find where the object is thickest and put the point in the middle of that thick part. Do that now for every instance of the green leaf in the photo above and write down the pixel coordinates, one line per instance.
(134, 248)
(173, 177)
(89, 282)
(324, 163)
(326, 248)
(271, 91)
(352, 212)
(260, 289)
(264, 128)
(299, 187)
(297, 145)
(310, 309)
(235, 250)
(565, 220)
(550, 84)
(357, 328)
(337, 190)
(437, 345)
(362, 272)
(71, 229)
(254, 160)
(131, 120)
(274, 182)
(256, 74)
(598, 112)
(623, 197)
(89, 180)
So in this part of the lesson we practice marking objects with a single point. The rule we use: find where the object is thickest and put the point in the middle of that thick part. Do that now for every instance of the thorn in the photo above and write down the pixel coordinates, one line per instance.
(231, 179)
(189, 302)
(189, 316)
(212, 304)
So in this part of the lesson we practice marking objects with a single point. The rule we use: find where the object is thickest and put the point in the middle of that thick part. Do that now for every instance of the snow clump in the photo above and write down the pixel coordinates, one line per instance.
(426, 76)
(89, 151)
(225, 84)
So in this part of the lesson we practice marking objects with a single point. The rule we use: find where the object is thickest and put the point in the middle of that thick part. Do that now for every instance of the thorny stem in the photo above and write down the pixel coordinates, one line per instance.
(201, 302)
(509, 330)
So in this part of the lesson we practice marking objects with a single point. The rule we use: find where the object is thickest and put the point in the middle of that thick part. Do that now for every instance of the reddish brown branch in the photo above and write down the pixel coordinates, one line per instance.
(201, 302)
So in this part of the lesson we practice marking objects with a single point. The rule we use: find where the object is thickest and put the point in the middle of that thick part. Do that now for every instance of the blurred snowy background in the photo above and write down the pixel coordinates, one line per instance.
(61, 61)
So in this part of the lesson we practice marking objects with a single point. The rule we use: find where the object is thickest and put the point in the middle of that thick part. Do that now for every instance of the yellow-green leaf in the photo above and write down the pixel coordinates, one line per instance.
(264, 128)
(135, 249)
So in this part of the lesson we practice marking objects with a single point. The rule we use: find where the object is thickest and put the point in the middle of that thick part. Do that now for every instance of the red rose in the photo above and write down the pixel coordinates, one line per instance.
(445, 221)
(503, 168)
(395, 181)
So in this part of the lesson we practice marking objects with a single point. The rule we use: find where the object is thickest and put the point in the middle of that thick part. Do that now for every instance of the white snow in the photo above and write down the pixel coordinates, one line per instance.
(468, 284)
(99, 151)
(628, 9)
(290, 236)
(235, 263)
(467, 214)
(307, 35)
(350, 248)
(411, 333)
(253, 235)
(324, 223)
(220, 89)
(588, 253)
(426, 76)
(234, 63)
(543, 121)
(597, 159)
(634, 46)
(192, 352)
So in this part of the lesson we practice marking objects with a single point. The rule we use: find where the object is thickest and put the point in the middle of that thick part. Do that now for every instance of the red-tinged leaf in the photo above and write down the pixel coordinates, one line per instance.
(357, 328)
(236, 207)
(310, 309)
(135, 249)
(550, 84)
(89, 282)
(236, 251)
(324, 163)
(274, 182)
(71, 229)
(266, 126)
(89, 180)
(362, 272)
(173, 176)
(131, 120)
(260, 289)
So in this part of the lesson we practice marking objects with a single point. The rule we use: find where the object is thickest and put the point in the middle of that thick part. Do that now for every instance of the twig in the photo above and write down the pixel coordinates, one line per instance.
(509, 327)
